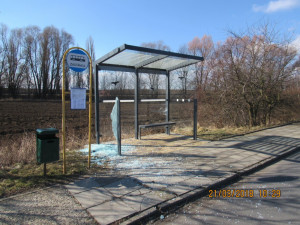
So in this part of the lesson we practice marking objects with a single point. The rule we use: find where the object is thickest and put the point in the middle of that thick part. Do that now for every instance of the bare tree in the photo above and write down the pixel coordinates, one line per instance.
(103, 80)
(55, 57)
(254, 68)
(182, 73)
(43, 53)
(202, 47)
(122, 79)
(78, 79)
(45, 45)
(3, 55)
(91, 50)
(32, 58)
(31, 52)
(14, 61)
(66, 41)
(154, 79)
(297, 63)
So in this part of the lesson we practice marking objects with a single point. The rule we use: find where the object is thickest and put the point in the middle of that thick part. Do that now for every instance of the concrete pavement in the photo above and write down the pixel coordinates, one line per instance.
(161, 172)
(275, 200)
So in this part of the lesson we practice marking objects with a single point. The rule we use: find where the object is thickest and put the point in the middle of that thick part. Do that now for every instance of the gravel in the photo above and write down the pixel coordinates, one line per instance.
(52, 205)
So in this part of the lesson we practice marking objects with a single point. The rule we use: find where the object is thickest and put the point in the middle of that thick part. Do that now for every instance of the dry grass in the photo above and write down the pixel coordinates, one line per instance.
(19, 170)
(21, 177)
(18, 149)
(21, 148)
(214, 133)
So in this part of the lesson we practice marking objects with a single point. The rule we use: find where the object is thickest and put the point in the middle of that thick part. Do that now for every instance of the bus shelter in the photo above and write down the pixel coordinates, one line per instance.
(135, 59)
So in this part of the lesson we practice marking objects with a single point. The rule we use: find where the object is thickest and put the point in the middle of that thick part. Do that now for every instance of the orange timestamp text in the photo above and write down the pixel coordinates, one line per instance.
(244, 193)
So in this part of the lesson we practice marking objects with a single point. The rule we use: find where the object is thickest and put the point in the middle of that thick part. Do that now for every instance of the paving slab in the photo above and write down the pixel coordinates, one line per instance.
(85, 184)
(164, 169)
(145, 198)
(111, 211)
(82, 185)
(93, 197)
(123, 186)
(190, 184)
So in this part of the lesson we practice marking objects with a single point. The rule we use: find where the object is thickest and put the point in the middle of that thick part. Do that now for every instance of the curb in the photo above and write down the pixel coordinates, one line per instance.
(172, 205)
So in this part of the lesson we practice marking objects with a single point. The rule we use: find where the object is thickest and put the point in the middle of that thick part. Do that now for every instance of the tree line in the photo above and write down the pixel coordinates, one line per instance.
(31, 58)
(247, 78)
(244, 80)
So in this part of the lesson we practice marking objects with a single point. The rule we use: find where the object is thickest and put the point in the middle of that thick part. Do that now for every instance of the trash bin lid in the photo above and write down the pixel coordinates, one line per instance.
(44, 131)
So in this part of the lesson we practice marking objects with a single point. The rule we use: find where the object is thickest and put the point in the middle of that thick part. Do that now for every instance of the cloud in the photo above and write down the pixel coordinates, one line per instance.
(274, 6)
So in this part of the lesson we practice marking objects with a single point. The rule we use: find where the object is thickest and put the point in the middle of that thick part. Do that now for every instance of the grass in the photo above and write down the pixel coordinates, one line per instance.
(19, 171)
(218, 134)
(214, 134)
(22, 173)
(22, 177)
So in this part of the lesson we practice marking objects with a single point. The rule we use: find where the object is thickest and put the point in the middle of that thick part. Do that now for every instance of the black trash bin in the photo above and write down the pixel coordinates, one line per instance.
(47, 145)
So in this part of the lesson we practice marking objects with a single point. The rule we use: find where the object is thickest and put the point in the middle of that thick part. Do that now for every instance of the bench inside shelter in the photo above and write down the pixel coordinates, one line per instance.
(166, 124)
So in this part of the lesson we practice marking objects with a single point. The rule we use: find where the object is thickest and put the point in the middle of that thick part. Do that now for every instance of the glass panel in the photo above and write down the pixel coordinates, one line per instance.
(128, 58)
(133, 58)
(166, 63)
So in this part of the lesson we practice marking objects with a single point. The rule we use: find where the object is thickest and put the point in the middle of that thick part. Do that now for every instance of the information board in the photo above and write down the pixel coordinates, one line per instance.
(78, 98)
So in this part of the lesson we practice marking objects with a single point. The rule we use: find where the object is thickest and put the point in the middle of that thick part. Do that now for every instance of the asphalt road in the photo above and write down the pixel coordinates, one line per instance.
(270, 196)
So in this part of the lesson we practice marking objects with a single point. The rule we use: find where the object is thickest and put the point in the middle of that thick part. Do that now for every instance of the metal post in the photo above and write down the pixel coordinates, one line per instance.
(64, 113)
(195, 118)
(119, 126)
(167, 100)
(90, 109)
(96, 89)
(136, 104)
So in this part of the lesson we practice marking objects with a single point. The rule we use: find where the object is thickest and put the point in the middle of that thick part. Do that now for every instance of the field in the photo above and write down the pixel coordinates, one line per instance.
(20, 119)
(26, 116)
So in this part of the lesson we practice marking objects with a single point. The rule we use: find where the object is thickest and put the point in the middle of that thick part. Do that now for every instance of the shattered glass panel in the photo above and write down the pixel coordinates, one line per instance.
(115, 117)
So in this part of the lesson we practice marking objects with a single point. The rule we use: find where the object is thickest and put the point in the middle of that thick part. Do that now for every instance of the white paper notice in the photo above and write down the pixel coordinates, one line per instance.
(78, 98)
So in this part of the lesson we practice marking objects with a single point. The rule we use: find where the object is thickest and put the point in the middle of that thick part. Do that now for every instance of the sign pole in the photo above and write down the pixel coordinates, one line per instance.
(64, 115)
(90, 111)
(64, 106)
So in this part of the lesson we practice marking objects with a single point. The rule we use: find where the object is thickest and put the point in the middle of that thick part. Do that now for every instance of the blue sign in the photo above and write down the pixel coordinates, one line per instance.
(77, 60)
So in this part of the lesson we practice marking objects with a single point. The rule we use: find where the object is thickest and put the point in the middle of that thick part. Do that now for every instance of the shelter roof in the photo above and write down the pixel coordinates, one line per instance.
(129, 58)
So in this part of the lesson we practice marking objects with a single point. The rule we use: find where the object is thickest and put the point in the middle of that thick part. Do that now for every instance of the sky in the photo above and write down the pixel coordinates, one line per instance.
(112, 23)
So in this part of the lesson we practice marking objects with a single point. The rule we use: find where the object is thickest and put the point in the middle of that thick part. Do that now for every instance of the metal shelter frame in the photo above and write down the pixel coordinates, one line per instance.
(129, 58)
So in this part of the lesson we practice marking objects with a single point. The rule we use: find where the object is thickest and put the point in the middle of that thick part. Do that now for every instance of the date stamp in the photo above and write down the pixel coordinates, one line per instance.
(245, 193)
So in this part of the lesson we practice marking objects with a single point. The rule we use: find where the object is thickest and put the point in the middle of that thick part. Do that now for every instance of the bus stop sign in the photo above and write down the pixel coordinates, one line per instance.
(77, 60)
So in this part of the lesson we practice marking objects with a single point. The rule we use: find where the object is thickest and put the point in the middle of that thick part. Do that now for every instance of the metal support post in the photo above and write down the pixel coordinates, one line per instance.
(167, 100)
(136, 104)
(195, 118)
(119, 126)
(90, 109)
(96, 89)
